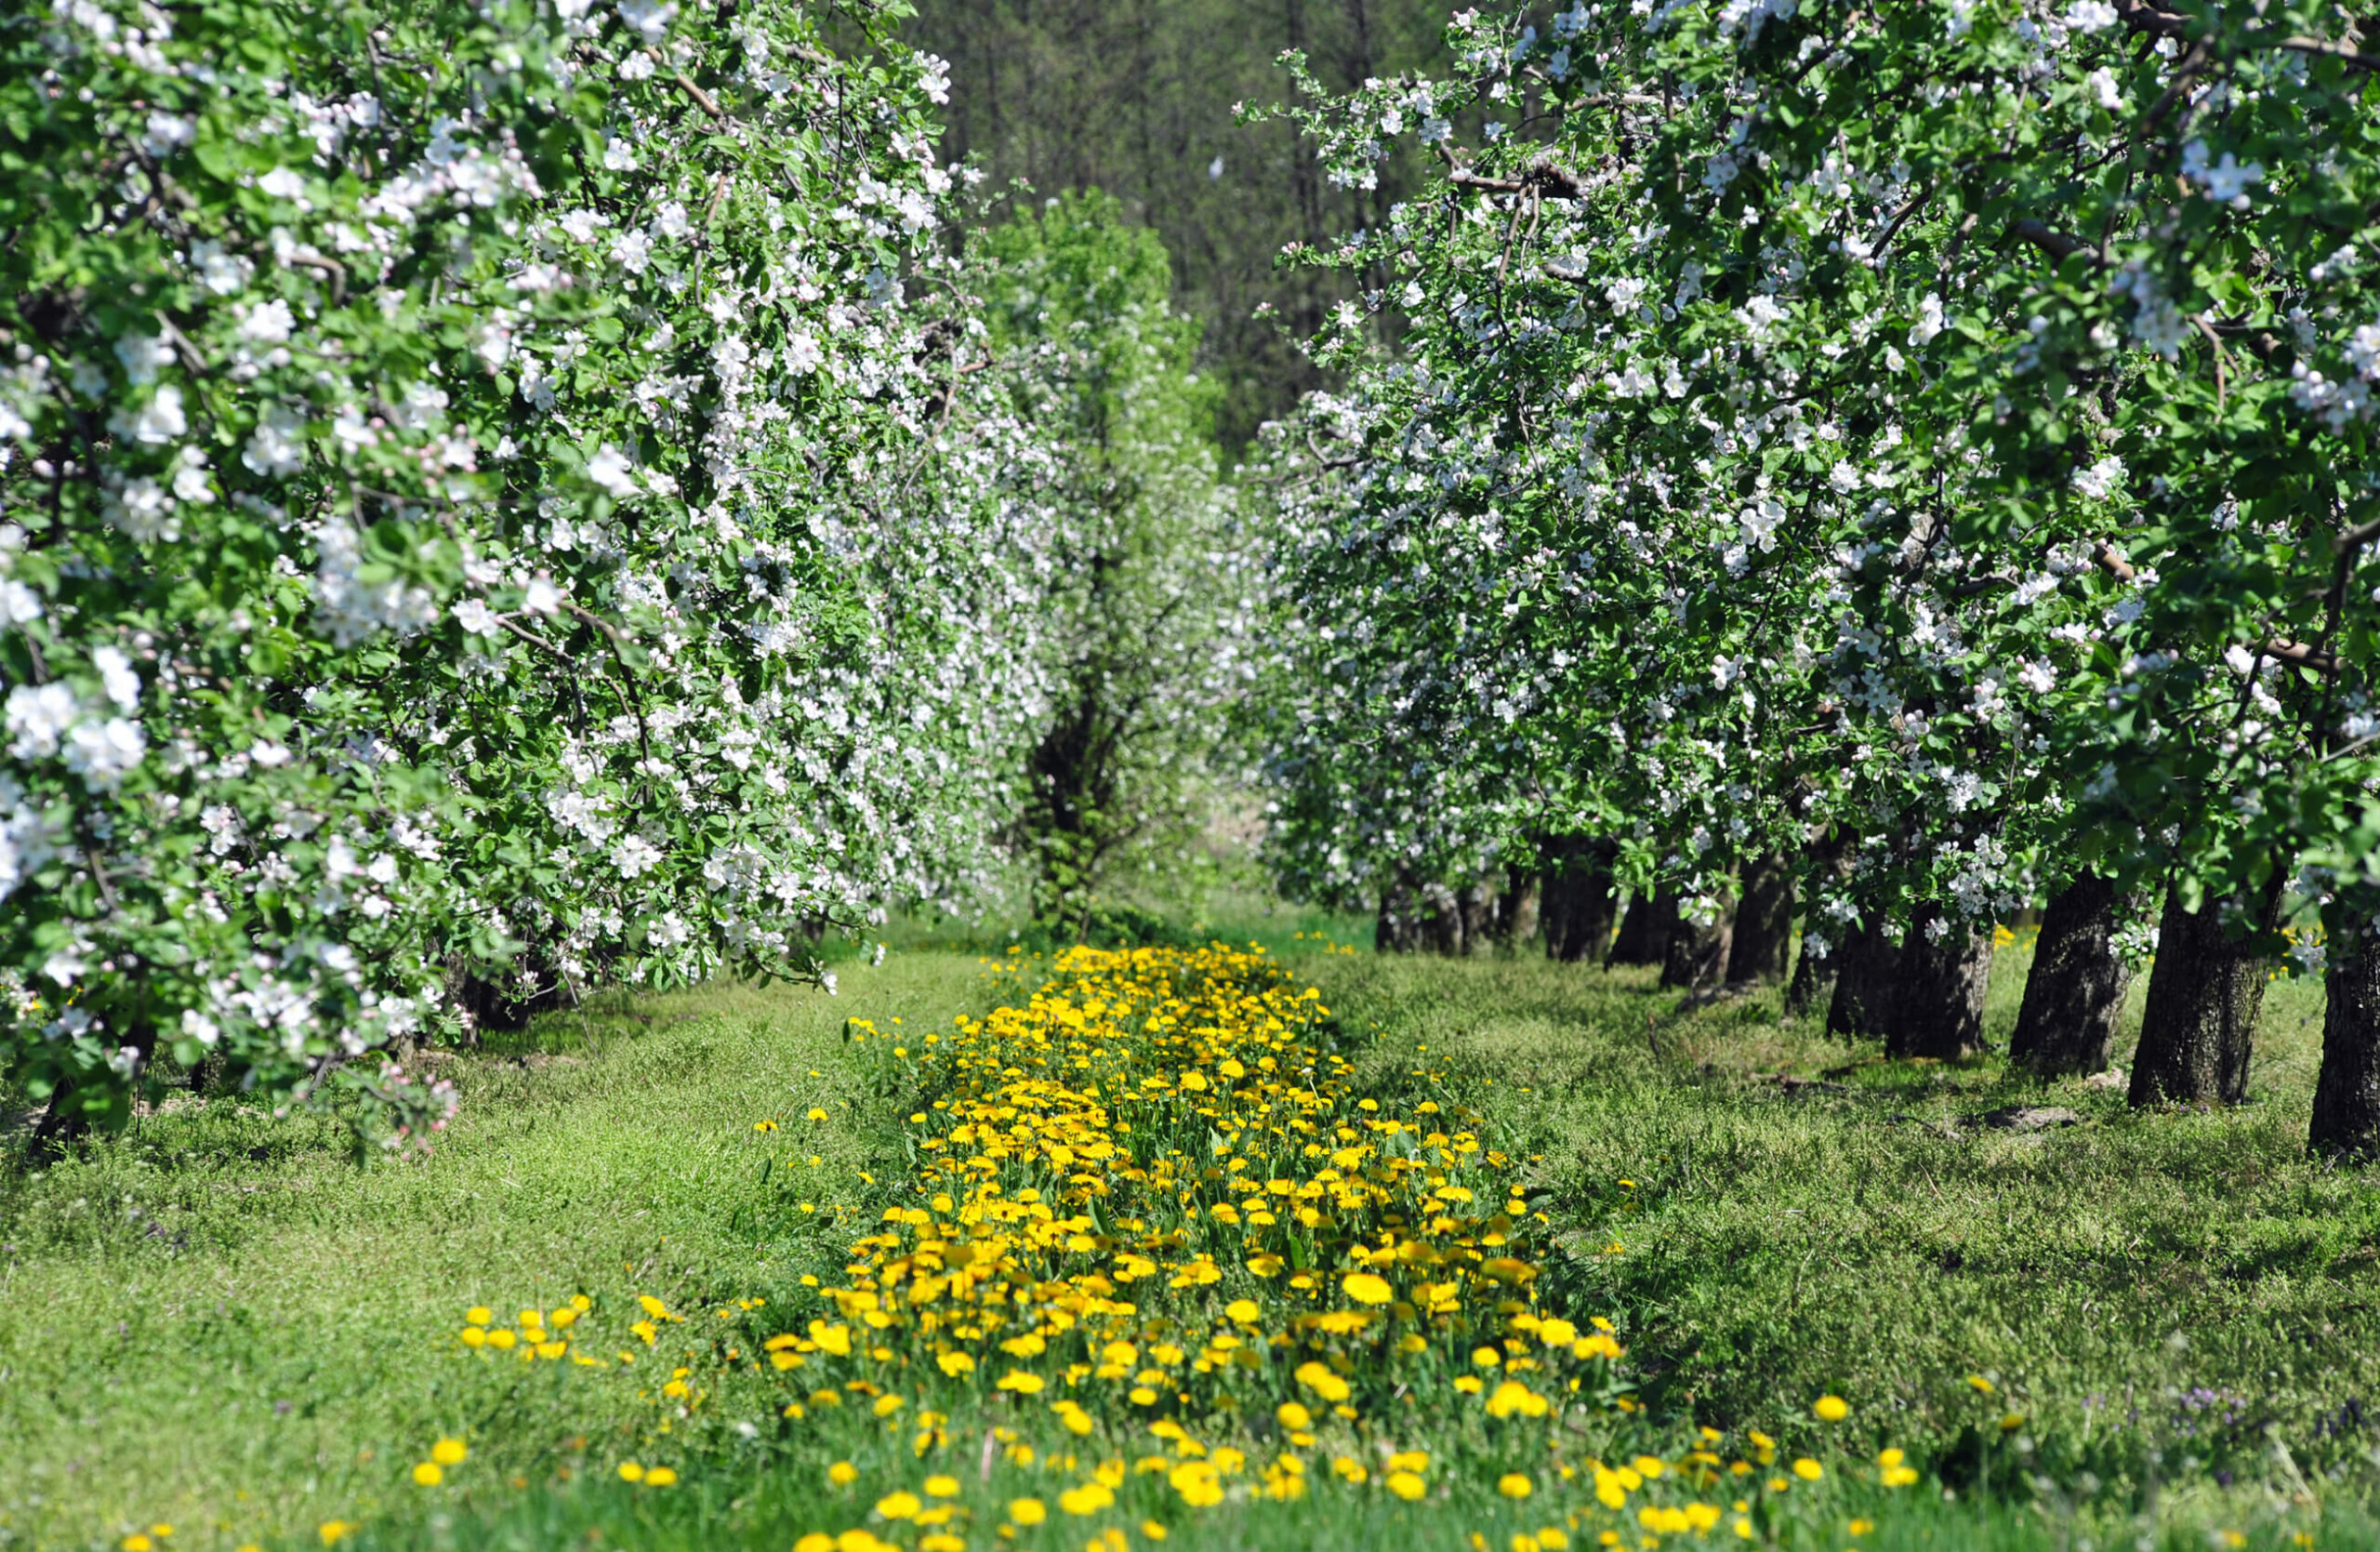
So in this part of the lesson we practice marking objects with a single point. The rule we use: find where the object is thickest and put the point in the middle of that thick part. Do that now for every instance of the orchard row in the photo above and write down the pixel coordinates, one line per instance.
(1903, 462)
(498, 499)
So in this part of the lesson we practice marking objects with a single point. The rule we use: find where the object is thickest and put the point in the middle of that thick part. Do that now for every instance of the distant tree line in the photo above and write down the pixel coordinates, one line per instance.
(1138, 99)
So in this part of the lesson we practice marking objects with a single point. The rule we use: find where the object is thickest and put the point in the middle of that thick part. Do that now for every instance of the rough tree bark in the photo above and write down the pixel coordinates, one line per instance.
(2204, 992)
(1867, 968)
(1475, 911)
(1554, 911)
(1696, 954)
(2076, 988)
(1518, 907)
(1394, 931)
(1439, 930)
(1812, 988)
(1764, 922)
(1937, 1007)
(1644, 930)
(2347, 1093)
(1579, 899)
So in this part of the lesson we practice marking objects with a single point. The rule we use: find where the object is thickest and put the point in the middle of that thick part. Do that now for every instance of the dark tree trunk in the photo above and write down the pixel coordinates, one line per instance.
(505, 1007)
(1476, 913)
(1867, 970)
(2347, 1093)
(1517, 910)
(1553, 915)
(1812, 989)
(1394, 932)
(1577, 874)
(2204, 992)
(1644, 930)
(1696, 955)
(2075, 992)
(64, 1124)
(1938, 1008)
(1440, 927)
(1764, 923)
(1595, 904)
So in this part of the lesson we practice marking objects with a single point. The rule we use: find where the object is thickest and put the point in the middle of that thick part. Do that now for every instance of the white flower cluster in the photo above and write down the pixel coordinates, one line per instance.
(500, 572)
(1897, 533)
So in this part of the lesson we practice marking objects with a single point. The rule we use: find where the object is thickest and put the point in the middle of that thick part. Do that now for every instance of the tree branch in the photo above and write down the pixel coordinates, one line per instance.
(685, 83)
(2298, 655)
(1544, 176)
(2142, 17)
(2338, 51)
(2057, 245)
(2222, 377)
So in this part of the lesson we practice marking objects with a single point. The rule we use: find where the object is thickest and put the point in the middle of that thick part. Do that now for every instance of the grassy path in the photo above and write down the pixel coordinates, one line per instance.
(224, 1327)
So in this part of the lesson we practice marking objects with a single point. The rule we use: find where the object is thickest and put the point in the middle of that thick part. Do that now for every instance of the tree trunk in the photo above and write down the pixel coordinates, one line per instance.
(1764, 922)
(1644, 930)
(1594, 905)
(1696, 954)
(1812, 989)
(64, 1124)
(1395, 931)
(1937, 1008)
(2347, 1093)
(1440, 927)
(2204, 992)
(1517, 910)
(1553, 914)
(1579, 875)
(1475, 914)
(2075, 991)
(1867, 969)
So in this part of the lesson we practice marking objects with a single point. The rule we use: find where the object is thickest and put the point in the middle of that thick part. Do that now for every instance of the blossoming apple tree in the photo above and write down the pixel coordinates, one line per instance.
(1929, 444)
(493, 495)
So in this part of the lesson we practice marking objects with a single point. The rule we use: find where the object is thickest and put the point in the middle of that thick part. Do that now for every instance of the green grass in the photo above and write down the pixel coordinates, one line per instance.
(2164, 1299)
(222, 1323)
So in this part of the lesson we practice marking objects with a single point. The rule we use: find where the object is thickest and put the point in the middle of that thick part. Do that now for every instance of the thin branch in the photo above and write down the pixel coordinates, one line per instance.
(627, 675)
(2057, 245)
(1324, 460)
(1545, 175)
(1900, 217)
(685, 83)
(2199, 55)
(2222, 377)
(2338, 51)
(330, 267)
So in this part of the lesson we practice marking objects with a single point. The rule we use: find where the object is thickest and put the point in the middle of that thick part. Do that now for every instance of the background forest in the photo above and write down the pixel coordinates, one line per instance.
(1140, 99)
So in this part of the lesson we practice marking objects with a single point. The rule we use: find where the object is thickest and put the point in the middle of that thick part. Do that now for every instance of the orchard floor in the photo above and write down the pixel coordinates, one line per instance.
(225, 1326)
